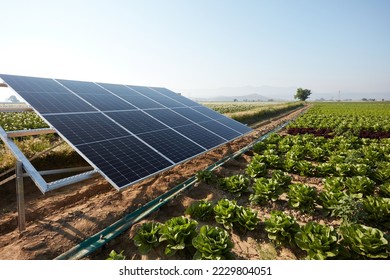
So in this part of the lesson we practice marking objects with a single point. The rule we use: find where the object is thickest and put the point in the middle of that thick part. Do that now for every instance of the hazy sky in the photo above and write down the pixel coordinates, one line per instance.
(324, 45)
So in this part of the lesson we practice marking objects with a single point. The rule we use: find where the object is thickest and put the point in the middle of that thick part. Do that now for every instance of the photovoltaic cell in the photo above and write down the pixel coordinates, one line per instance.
(136, 121)
(191, 114)
(46, 103)
(175, 96)
(201, 136)
(235, 125)
(158, 97)
(208, 112)
(126, 132)
(86, 128)
(135, 98)
(83, 88)
(171, 144)
(220, 129)
(32, 84)
(168, 117)
(97, 96)
(125, 160)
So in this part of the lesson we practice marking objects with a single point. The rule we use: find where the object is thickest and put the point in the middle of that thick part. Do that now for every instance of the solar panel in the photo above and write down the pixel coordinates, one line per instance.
(171, 144)
(175, 96)
(220, 129)
(136, 121)
(201, 136)
(168, 117)
(127, 133)
(85, 128)
(137, 99)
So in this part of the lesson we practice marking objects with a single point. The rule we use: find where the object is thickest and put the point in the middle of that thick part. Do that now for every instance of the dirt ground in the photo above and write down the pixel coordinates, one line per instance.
(59, 220)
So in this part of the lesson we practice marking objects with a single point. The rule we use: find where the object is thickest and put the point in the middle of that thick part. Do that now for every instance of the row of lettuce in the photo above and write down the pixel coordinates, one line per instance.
(211, 241)
(367, 120)
(349, 211)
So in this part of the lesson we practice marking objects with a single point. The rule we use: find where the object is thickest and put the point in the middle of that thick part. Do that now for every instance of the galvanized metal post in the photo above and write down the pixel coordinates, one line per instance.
(20, 196)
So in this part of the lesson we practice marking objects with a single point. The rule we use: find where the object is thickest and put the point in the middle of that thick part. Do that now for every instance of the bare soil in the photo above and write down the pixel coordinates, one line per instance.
(59, 220)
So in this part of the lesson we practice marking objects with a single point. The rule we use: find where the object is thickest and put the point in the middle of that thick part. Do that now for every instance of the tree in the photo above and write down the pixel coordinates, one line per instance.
(302, 94)
(13, 99)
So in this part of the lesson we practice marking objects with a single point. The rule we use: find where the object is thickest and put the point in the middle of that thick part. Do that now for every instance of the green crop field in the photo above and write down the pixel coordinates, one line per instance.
(320, 189)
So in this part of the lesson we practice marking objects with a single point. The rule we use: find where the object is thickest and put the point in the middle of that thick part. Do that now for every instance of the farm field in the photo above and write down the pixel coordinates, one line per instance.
(314, 190)
(252, 112)
(323, 193)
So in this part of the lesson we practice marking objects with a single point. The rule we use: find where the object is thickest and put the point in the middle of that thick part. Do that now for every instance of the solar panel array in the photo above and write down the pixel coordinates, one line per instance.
(126, 132)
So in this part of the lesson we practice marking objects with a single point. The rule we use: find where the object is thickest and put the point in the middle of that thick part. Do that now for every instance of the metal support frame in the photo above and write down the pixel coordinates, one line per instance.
(30, 132)
(23, 164)
(20, 196)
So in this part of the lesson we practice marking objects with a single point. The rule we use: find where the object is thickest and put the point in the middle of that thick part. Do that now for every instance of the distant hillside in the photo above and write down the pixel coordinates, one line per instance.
(249, 97)
(250, 93)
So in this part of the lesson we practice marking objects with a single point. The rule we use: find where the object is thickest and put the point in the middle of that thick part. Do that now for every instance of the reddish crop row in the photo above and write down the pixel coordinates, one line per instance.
(329, 133)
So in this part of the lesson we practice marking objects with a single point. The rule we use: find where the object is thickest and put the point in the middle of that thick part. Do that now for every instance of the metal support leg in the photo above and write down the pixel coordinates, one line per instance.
(20, 196)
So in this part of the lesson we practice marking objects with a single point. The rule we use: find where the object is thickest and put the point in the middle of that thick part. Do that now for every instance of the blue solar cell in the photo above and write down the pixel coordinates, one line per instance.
(32, 84)
(201, 136)
(46, 103)
(220, 129)
(176, 96)
(208, 112)
(169, 117)
(124, 161)
(84, 87)
(191, 114)
(85, 128)
(158, 97)
(97, 96)
(136, 121)
(46, 95)
(235, 125)
(132, 96)
(172, 145)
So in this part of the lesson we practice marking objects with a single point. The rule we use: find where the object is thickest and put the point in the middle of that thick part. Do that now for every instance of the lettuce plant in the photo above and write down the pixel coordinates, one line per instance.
(259, 147)
(302, 197)
(200, 210)
(305, 168)
(319, 241)
(178, 233)
(272, 160)
(114, 256)
(206, 176)
(384, 189)
(342, 169)
(212, 243)
(382, 172)
(361, 169)
(225, 212)
(378, 208)
(235, 184)
(264, 190)
(330, 200)
(282, 178)
(290, 165)
(324, 169)
(360, 185)
(256, 169)
(365, 241)
(147, 237)
(281, 228)
(334, 184)
(247, 218)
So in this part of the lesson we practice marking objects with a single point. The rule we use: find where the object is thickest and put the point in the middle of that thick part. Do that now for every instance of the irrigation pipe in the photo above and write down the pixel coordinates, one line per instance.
(99, 239)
